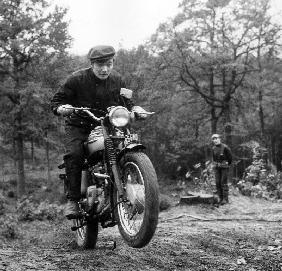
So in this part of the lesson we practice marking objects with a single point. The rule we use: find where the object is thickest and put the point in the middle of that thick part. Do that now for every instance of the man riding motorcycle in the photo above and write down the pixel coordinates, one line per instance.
(98, 87)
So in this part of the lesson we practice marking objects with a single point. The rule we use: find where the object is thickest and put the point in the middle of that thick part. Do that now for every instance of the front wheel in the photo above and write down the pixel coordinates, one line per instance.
(138, 217)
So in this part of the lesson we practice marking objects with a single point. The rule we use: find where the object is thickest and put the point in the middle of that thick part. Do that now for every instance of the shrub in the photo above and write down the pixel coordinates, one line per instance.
(13, 182)
(2, 201)
(260, 179)
(165, 202)
(25, 209)
(10, 194)
(8, 228)
(28, 210)
(268, 186)
(48, 211)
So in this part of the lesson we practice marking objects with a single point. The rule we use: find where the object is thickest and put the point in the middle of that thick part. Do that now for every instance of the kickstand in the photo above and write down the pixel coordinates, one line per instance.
(114, 245)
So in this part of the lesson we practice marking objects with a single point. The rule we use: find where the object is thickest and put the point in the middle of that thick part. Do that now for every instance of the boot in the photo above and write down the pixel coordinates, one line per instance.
(71, 209)
(220, 197)
(224, 201)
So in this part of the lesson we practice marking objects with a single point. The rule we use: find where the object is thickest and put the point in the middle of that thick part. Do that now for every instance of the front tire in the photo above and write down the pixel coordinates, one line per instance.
(138, 219)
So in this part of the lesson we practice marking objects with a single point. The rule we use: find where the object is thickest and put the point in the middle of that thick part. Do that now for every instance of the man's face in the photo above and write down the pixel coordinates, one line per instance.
(216, 140)
(103, 69)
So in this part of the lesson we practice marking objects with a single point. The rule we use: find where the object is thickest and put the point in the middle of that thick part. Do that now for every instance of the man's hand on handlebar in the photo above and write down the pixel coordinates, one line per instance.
(65, 110)
(140, 112)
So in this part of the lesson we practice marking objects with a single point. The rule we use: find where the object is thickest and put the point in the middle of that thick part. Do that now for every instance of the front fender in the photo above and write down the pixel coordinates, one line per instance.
(131, 147)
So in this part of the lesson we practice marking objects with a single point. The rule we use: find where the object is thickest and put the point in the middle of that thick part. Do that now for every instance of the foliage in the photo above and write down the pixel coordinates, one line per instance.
(2, 202)
(213, 67)
(165, 202)
(8, 227)
(260, 178)
(32, 33)
(268, 187)
(28, 210)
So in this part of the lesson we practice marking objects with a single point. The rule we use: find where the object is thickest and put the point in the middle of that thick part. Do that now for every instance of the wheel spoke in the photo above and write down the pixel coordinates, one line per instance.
(80, 230)
(132, 216)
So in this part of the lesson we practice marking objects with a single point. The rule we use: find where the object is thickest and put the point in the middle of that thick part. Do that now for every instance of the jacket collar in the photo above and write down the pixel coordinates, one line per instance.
(95, 78)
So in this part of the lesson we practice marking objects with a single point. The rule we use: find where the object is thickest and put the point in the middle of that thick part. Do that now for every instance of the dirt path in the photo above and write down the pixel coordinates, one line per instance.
(243, 235)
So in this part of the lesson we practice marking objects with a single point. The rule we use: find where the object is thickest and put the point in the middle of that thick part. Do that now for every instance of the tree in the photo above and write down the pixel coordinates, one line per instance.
(30, 33)
(152, 90)
(211, 47)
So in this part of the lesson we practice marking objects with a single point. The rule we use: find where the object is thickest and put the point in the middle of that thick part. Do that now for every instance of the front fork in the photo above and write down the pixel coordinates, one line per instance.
(112, 160)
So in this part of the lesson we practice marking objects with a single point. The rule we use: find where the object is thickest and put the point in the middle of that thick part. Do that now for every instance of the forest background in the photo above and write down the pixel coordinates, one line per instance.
(213, 68)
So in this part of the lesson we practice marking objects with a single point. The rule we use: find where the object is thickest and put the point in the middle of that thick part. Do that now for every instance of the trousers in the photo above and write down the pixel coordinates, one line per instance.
(221, 182)
(74, 159)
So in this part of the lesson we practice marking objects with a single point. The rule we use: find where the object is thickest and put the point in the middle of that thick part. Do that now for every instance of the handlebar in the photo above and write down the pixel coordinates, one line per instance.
(89, 113)
(86, 110)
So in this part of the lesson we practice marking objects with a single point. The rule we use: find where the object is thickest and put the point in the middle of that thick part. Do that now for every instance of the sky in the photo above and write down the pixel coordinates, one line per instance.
(120, 23)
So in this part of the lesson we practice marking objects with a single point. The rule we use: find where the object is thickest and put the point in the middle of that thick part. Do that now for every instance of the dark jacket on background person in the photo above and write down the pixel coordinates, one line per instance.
(222, 155)
(222, 159)
(84, 89)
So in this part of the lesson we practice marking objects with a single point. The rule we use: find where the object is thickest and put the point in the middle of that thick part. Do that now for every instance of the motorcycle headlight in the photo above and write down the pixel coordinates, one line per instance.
(119, 116)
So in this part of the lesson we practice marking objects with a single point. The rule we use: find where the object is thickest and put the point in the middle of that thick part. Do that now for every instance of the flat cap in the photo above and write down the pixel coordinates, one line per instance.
(215, 136)
(101, 52)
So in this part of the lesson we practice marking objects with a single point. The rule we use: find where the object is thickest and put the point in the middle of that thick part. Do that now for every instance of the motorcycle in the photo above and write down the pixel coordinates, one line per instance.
(119, 184)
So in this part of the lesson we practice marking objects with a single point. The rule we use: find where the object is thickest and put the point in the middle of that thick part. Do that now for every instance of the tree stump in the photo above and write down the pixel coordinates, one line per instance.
(197, 198)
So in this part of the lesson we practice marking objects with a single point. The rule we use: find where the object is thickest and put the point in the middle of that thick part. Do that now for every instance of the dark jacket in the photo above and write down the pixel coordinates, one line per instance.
(221, 154)
(84, 89)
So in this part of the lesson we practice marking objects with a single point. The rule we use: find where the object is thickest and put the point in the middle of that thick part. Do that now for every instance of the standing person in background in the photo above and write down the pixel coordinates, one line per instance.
(222, 159)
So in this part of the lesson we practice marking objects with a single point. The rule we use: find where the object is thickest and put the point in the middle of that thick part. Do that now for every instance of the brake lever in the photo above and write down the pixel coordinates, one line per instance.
(145, 112)
(149, 113)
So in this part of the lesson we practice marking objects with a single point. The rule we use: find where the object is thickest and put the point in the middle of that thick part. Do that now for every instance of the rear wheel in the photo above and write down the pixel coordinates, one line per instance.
(138, 218)
(86, 236)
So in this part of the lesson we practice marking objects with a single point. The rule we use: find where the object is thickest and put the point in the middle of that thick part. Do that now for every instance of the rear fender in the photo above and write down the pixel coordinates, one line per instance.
(129, 148)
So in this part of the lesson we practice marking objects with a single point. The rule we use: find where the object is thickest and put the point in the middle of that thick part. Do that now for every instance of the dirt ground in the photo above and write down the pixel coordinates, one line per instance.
(246, 234)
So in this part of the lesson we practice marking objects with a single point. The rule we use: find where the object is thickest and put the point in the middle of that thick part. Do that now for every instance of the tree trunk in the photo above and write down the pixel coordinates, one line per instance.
(14, 153)
(2, 167)
(47, 158)
(214, 118)
(227, 125)
(18, 127)
(211, 79)
(213, 121)
(19, 154)
(260, 91)
(20, 166)
(279, 155)
(271, 153)
(32, 150)
(261, 115)
(196, 125)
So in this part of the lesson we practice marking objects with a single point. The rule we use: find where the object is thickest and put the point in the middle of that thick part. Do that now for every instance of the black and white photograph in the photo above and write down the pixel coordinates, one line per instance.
(141, 135)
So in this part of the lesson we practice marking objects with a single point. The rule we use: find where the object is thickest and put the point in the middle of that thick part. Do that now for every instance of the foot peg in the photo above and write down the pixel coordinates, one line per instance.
(74, 228)
(70, 217)
(63, 176)
(108, 224)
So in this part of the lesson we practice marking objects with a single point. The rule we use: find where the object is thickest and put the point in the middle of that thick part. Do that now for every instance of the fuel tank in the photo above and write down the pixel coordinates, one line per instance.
(95, 141)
